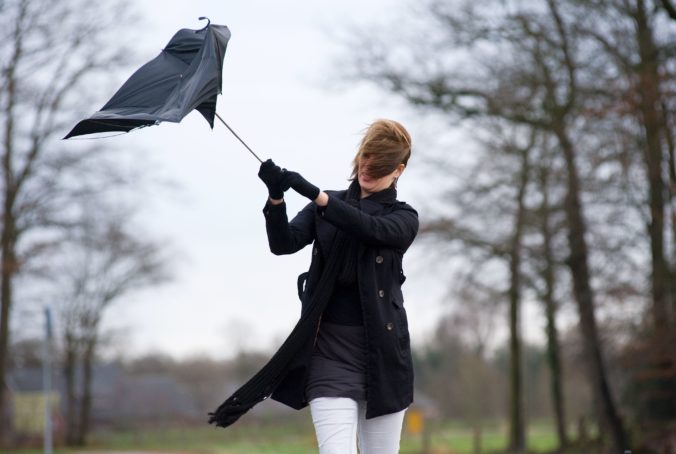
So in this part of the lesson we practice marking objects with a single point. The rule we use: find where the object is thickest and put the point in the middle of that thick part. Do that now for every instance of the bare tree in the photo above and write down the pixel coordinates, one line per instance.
(463, 383)
(497, 190)
(529, 76)
(634, 51)
(517, 439)
(648, 88)
(48, 53)
(546, 294)
(641, 50)
(102, 263)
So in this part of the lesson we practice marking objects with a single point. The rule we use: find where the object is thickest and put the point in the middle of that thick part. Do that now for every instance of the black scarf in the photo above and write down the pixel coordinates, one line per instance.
(261, 385)
(347, 276)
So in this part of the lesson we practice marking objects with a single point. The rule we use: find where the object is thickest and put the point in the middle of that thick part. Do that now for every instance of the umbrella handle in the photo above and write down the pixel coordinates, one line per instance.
(205, 27)
(238, 138)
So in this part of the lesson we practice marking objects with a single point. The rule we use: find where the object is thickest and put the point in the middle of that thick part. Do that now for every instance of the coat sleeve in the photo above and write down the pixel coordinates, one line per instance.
(396, 229)
(286, 237)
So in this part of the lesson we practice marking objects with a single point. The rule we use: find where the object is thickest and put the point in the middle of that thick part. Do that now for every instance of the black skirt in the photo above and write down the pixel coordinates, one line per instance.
(338, 364)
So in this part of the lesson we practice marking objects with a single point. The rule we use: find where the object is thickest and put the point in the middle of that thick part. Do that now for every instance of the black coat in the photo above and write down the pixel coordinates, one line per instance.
(385, 229)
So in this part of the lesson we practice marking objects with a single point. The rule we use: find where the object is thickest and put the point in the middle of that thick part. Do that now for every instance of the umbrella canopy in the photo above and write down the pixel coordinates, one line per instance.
(185, 76)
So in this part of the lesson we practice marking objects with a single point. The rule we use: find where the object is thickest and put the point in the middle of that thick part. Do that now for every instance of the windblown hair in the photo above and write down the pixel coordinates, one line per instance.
(385, 144)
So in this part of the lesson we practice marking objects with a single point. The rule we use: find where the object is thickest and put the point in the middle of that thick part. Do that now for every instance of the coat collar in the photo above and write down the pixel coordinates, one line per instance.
(375, 202)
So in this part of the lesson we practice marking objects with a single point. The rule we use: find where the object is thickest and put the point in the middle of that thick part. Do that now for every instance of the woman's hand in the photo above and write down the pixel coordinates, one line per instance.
(299, 184)
(271, 174)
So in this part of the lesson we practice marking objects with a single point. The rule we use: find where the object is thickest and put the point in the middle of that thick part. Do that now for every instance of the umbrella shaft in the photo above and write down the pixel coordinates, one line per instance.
(238, 138)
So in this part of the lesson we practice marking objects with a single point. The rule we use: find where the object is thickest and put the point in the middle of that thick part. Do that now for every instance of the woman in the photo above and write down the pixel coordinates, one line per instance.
(356, 373)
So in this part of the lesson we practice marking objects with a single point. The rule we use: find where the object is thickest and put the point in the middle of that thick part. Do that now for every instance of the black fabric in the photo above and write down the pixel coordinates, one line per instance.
(344, 307)
(295, 180)
(271, 175)
(264, 382)
(261, 385)
(185, 76)
(385, 228)
(347, 277)
(338, 365)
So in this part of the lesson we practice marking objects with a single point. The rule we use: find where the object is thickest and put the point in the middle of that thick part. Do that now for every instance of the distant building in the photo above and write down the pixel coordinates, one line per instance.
(118, 400)
(27, 403)
(146, 399)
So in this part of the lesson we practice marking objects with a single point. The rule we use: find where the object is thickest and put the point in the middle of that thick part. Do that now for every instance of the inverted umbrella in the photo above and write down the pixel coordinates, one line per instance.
(186, 75)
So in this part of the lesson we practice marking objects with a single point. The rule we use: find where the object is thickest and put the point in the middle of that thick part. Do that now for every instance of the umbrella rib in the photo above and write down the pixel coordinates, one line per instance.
(238, 138)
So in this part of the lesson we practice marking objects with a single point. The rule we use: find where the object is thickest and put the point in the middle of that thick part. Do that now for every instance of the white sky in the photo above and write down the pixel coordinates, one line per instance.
(229, 289)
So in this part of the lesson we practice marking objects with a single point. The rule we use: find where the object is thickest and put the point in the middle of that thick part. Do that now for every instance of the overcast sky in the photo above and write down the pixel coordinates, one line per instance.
(229, 291)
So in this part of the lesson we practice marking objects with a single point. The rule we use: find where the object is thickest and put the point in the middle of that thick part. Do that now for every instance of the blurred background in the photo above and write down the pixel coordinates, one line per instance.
(137, 289)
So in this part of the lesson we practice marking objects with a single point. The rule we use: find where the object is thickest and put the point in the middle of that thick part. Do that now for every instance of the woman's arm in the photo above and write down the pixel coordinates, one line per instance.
(397, 229)
(286, 237)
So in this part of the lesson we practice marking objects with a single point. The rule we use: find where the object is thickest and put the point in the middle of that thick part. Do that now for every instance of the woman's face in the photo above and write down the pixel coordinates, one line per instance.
(369, 185)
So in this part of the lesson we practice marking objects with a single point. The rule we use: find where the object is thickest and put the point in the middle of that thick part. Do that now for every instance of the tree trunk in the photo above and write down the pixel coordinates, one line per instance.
(553, 350)
(476, 439)
(517, 432)
(650, 115)
(69, 371)
(8, 266)
(669, 137)
(578, 264)
(86, 402)
(649, 105)
(8, 269)
(8, 262)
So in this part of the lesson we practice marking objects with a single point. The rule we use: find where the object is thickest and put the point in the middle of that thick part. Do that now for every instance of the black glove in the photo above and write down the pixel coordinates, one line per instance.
(303, 187)
(271, 175)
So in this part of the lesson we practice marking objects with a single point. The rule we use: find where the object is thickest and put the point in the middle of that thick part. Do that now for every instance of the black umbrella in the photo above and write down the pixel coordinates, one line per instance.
(185, 76)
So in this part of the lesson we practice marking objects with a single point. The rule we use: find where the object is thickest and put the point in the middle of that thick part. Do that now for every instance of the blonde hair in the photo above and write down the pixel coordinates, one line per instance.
(386, 144)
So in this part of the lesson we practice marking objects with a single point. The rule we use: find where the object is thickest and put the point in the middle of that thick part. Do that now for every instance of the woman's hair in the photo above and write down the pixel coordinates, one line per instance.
(386, 144)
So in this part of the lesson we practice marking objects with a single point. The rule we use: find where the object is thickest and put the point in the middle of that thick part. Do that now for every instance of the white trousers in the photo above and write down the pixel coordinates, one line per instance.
(340, 423)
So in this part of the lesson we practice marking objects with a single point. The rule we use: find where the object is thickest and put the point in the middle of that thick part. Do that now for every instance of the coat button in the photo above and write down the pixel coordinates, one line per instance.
(381, 293)
(379, 259)
(389, 326)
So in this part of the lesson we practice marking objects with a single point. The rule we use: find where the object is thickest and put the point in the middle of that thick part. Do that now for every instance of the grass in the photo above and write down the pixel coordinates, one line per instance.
(297, 438)
(265, 438)
(456, 438)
